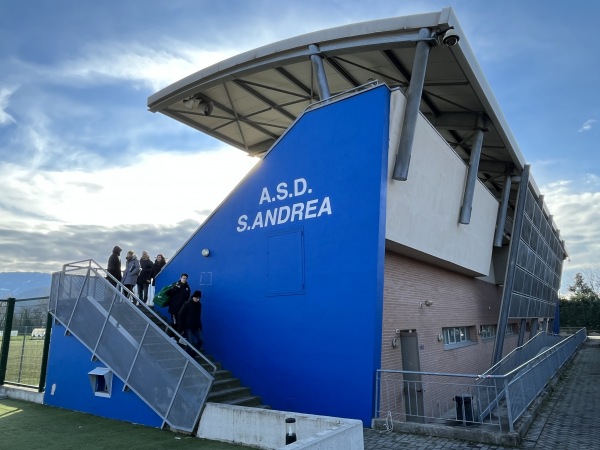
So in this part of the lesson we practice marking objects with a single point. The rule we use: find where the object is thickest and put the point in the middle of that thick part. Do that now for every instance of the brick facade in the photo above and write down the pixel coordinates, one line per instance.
(457, 301)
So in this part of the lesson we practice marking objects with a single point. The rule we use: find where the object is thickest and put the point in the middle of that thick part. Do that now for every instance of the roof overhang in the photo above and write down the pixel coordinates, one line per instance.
(254, 97)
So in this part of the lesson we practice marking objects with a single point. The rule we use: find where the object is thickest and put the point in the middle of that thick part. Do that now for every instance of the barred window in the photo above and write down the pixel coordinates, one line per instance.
(456, 336)
(488, 331)
(512, 328)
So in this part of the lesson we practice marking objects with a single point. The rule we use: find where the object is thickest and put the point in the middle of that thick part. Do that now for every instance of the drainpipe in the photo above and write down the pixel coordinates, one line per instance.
(317, 62)
(512, 265)
(469, 193)
(413, 103)
(501, 218)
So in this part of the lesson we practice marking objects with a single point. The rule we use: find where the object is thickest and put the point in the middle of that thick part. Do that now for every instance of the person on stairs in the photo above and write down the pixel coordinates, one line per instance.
(145, 276)
(190, 322)
(178, 294)
(132, 270)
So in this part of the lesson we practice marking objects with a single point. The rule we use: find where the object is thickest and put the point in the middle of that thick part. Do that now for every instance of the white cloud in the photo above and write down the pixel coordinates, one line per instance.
(587, 126)
(153, 68)
(577, 214)
(161, 188)
(5, 94)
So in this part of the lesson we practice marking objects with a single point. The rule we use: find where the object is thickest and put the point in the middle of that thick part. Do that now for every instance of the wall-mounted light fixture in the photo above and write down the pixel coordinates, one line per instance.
(396, 340)
(205, 252)
(426, 303)
(440, 337)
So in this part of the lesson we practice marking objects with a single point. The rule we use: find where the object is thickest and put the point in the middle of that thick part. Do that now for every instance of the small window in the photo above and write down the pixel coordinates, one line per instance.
(456, 336)
(101, 381)
(488, 331)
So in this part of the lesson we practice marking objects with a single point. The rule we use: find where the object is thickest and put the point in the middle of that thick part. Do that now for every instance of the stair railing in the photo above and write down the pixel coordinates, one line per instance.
(129, 343)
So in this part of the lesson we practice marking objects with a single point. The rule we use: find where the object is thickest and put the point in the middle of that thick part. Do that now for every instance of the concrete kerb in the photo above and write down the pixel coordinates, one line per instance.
(22, 393)
(265, 429)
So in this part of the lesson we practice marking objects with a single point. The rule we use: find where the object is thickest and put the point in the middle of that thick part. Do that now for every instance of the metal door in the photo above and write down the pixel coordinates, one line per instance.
(412, 386)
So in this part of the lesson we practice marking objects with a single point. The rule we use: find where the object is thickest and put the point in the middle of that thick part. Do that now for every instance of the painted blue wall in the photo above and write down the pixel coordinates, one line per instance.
(293, 287)
(69, 363)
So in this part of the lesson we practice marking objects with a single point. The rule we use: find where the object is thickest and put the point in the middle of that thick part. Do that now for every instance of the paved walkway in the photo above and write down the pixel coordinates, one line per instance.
(567, 421)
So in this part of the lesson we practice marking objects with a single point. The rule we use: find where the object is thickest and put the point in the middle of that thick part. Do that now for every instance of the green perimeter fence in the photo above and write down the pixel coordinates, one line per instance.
(24, 340)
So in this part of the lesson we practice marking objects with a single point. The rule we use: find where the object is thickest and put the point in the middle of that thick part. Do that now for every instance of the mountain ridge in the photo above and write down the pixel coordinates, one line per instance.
(23, 285)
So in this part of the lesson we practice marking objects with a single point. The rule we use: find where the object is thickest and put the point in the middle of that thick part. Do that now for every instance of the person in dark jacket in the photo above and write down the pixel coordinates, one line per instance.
(190, 321)
(114, 265)
(145, 276)
(159, 263)
(178, 294)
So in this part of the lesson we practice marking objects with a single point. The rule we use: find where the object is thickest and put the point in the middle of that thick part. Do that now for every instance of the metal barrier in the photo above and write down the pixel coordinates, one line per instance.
(492, 400)
(24, 338)
(131, 345)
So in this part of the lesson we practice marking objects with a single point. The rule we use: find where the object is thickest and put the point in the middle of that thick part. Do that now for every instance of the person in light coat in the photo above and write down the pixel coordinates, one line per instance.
(132, 270)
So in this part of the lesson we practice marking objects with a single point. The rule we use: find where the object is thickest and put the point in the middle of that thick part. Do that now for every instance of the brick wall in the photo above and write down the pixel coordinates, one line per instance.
(457, 301)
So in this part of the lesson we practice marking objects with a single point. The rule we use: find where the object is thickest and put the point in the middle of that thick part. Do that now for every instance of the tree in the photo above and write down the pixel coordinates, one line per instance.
(582, 307)
(582, 290)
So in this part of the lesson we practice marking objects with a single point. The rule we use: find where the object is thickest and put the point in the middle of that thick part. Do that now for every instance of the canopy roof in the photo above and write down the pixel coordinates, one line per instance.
(257, 95)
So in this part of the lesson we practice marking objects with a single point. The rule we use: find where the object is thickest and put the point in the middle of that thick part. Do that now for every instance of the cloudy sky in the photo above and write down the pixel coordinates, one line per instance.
(85, 166)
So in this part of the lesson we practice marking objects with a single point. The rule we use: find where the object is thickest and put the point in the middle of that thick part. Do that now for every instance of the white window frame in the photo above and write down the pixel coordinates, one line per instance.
(512, 328)
(456, 337)
(488, 331)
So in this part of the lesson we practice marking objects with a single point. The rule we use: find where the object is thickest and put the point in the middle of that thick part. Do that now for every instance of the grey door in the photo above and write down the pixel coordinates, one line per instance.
(412, 386)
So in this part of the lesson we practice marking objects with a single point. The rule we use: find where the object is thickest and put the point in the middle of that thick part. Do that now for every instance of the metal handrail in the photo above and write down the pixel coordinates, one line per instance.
(546, 362)
(77, 296)
(167, 328)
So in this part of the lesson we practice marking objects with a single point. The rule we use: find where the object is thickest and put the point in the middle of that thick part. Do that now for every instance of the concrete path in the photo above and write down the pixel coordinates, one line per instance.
(567, 421)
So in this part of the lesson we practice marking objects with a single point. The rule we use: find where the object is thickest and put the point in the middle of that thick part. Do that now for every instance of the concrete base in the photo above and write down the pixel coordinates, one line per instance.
(265, 429)
(22, 393)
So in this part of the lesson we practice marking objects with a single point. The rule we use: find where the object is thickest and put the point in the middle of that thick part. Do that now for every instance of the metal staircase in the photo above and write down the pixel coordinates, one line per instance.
(124, 338)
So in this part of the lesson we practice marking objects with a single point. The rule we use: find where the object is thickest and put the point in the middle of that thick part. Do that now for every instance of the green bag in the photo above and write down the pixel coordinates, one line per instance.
(162, 298)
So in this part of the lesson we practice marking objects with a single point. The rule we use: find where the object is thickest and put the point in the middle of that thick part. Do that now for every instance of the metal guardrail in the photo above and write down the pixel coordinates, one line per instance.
(24, 339)
(492, 400)
(131, 345)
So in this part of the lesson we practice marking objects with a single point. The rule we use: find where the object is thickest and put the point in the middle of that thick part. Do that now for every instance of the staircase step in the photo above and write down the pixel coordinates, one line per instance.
(248, 400)
(221, 374)
(228, 395)
(225, 383)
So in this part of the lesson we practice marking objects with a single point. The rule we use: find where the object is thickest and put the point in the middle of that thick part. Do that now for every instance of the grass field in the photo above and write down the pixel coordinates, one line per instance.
(24, 360)
(26, 426)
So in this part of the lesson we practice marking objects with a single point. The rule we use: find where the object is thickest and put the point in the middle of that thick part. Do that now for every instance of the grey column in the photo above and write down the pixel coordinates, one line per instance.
(469, 192)
(501, 218)
(413, 103)
(317, 63)
(535, 325)
(512, 265)
(522, 327)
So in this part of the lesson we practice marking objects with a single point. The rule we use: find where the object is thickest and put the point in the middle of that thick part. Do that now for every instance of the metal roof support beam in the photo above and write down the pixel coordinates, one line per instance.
(509, 280)
(502, 211)
(413, 103)
(317, 62)
(469, 192)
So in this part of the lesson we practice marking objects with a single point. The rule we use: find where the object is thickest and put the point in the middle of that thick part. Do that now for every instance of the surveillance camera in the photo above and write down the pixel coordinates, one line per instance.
(451, 38)
(207, 107)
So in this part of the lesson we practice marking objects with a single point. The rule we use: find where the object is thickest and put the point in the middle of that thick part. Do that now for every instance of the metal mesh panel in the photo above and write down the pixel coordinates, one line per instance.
(189, 395)
(538, 265)
(87, 321)
(157, 370)
(130, 344)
